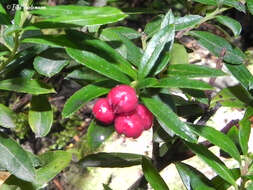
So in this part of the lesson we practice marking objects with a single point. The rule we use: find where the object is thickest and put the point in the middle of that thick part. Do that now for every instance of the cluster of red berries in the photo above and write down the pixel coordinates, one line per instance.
(121, 107)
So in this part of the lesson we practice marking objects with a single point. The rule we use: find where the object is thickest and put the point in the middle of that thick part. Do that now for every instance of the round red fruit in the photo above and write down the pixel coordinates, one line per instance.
(129, 125)
(123, 99)
(146, 116)
(103, 112)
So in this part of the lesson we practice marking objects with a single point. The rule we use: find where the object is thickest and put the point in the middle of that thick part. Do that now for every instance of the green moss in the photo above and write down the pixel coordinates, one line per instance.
(22, 127)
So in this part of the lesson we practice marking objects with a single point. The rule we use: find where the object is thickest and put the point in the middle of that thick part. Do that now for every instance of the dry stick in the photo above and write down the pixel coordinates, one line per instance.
(57, 184)
(174, 156)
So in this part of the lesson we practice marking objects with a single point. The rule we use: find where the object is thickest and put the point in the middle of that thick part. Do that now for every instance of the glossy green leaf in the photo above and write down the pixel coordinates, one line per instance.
(147, 82)
(216, 44)
(219, 139)
(106, 187)
(15, 159)
(14, 183)
(182, 82)
(165, 59)
(4, 18)
(48, 67)
(169, 119)
(152, 175)
(82, 96)
(220, 184)
(105, 51)
(40, 116)
(126, 31)
(192, 178)
(52, 164)
(242, 74)
(187, 21)
(77, 15)
(85, 74)
(233, 24)
(26, 86)
(97, 134)
(213, 161)
(154, 48)
(234, 96)
(7, 117)
(50, 40)
(190, 70)
(123, 45)
(250, 6)
(111, 160)
(245, 129)
(232, 3)
(179, 55)
(98, 64)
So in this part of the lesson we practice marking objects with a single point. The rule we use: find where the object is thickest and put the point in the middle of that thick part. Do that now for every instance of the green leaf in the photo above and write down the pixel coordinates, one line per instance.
(219, 139)
(85, 74)
(242, 74)
(147, 82)
(179, 55)
(213, 161)
(190, 70)
(245, 129)
(51, 40)
(4, 18)
(232, 3)
(153, 176)
(154, 48)
(169, 119)
(220, 184)
(97, 134)
(233, 24)
(234, 96)
(52, 164)
(105, 51)
(7, 117)
(216, 44)
(14, 183)
(126, 31)
(111, 160)
(250, 6)
(40, 116)
(187, 21)
(106, 187)
(34, 87)
(82, 96)
(77, 15)
(182, 82)
(48, 67)
(123, 45)
(98, 64)
(192, 178)
(15, 159)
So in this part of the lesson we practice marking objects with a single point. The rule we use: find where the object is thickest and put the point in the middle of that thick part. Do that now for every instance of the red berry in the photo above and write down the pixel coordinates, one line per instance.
(129, 125)
(123, 99)
(146, 116)
(103, 112)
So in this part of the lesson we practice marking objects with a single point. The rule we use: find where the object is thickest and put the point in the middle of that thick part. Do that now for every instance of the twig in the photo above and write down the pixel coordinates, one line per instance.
(57, 184)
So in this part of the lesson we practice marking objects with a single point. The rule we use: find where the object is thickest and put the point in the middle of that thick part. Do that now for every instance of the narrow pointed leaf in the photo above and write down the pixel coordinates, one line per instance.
(250, 6)
(7, 117)
(192, 178)
(212, 161)
(98, 64)
(190, 70)
(82, 96)
(48, 67)
(219, 139)
(169, 119)
(53, 163)
(216, 44)
(26, 86)
(152, 175)
(233, 24)
(111, 160)
(4, 18)
(77, 15)
(40, 116)
(15, 159)
(154, 48)
(245, 129)
(179, 55)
